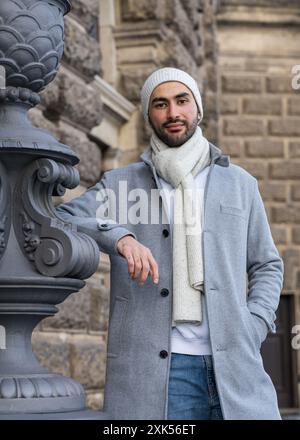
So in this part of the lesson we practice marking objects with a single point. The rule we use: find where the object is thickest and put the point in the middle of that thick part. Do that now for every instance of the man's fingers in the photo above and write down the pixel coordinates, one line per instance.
(145, 269)
(130, 261)
(141, 263)
(153, 269)
(137, 265)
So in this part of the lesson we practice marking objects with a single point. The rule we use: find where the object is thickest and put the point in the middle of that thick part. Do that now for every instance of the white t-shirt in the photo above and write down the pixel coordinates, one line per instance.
(189, 338)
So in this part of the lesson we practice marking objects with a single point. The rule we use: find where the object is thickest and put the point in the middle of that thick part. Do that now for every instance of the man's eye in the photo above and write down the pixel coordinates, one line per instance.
(182, 101)
(160, 105)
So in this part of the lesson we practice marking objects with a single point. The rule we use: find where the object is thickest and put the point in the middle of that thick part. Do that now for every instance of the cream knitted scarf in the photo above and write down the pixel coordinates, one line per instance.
(178, 166)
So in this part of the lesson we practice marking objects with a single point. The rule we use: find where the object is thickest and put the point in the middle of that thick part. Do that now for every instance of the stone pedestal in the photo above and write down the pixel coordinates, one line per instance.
(42, 259)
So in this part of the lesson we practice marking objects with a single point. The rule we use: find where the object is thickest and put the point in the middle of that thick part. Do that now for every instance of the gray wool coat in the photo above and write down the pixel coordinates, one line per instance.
(243, 279)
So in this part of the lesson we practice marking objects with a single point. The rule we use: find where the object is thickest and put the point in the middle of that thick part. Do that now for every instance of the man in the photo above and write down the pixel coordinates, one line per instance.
(184, 343)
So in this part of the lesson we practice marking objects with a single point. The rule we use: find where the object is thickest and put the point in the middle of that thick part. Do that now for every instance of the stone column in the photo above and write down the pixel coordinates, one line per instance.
(42, 259)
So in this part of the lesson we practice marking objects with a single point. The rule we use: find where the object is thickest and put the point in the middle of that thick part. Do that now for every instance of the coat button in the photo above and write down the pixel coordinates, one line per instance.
(163, 354)
(164, 292)
(165, 233)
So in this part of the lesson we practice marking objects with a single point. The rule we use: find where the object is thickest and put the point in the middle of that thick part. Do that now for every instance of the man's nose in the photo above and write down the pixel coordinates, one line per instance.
(173, 111)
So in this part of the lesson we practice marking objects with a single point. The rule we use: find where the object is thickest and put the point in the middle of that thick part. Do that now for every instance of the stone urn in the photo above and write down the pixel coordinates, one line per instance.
(42, 259)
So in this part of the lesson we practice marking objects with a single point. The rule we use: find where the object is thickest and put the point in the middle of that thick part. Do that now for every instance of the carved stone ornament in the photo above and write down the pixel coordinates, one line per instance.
(31, 41)
(42, 259)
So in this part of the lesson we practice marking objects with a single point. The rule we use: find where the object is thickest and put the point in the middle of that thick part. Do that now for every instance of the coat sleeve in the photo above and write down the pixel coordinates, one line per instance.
(264, 268)
(83, 211)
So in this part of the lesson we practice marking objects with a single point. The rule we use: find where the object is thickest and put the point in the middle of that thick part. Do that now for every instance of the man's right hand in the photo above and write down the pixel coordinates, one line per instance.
(140, 259)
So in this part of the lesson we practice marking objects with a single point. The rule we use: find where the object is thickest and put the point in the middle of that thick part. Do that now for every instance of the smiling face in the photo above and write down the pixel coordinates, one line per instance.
(173, 113)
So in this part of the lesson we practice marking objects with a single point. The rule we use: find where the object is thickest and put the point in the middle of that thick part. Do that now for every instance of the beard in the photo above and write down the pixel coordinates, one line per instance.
(174, 139)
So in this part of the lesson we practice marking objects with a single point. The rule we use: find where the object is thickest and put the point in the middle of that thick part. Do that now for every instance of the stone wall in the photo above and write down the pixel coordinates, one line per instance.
(210, 71)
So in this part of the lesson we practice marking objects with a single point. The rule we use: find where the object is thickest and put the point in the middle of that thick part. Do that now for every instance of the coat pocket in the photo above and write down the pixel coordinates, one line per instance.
(116, 325)
(260, 327)
(256, 326)
(232, 210)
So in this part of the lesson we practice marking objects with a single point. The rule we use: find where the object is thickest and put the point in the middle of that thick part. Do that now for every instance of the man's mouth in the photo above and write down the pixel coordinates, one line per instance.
(175, 126)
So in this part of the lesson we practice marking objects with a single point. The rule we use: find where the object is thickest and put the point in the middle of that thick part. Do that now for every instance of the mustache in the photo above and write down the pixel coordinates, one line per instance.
(173, 121)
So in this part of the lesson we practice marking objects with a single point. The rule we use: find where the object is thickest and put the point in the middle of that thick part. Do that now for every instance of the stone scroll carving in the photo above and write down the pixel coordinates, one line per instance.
(54, 247)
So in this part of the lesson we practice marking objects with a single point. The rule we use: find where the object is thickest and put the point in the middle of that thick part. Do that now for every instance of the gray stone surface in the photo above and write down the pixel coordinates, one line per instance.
(50, 96)
(74, 99)
(95, 400)
(39, 120)
(82, 51)
(74, 313)
(87, 14)
(79, 102)
(53, 351)
(99, 307)
(88, 360)
(88, 152)
(185, 25)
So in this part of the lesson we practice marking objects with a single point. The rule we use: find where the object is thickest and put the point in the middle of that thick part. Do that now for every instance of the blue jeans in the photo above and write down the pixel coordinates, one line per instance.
(192, 391)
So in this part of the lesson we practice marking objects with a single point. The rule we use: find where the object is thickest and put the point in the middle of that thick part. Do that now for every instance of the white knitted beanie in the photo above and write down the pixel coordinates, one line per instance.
(164, 75)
